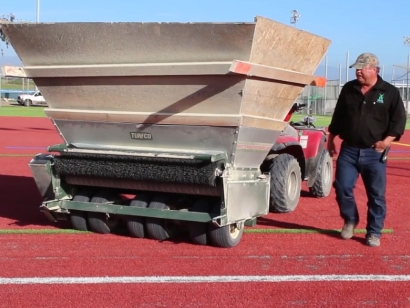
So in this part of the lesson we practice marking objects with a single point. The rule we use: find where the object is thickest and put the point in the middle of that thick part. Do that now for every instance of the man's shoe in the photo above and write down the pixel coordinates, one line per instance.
(372, 241)
(348, 230)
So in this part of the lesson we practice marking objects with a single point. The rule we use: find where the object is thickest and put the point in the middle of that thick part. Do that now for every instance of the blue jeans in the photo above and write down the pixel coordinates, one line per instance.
(351, 163)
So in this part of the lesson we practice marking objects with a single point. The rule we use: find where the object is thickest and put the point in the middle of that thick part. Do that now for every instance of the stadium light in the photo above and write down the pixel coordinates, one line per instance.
(295, 17)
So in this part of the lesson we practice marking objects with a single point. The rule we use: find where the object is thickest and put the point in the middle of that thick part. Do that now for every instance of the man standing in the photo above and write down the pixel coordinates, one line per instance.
(369, 115)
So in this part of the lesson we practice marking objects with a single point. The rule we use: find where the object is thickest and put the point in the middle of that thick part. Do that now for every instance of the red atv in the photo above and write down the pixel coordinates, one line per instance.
(299, 154)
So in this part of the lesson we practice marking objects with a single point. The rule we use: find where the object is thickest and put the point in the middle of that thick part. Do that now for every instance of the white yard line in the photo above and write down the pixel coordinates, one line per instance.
(202, 279)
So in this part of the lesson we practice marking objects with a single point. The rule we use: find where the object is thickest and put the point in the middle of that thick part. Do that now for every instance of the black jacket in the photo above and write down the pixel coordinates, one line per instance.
(363, 120)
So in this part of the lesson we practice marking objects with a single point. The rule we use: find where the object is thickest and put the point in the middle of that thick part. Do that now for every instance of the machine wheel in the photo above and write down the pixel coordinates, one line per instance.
(27, 103)
(79, 218)
(227, 236)
(135, 224)
(102, 222)
(198, 230)
(157, 228)
(286, 183)
(323, 183)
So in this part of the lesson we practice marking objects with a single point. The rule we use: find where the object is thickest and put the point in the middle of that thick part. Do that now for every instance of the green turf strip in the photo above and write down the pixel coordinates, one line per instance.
(271, 231)
(308, 231)
(21, 111)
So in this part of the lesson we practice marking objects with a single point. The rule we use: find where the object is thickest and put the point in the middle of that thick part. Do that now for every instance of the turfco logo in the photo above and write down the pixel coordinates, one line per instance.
(141, 136)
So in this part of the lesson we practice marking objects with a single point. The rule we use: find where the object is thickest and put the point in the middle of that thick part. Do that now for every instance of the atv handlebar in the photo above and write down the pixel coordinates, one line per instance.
(297, 107)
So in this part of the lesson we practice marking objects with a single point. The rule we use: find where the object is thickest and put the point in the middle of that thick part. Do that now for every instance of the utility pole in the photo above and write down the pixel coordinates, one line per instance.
(407, 43)
(38, 11)
(347, 67)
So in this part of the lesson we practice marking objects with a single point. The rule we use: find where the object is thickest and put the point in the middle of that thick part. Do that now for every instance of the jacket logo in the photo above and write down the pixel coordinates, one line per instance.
(380, 99)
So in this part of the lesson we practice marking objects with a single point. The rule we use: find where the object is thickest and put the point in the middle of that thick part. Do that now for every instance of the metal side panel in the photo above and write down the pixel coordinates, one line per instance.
(212, 94)
(281, 46)
(40, 169)
(197, 119)
(252, 146)
(90, 43)
(139, 69)
(129, 135)
(247, 199)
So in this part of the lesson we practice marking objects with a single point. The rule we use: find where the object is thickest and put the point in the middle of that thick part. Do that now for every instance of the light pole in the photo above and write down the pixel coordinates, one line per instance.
(407, 43)
(38, 11)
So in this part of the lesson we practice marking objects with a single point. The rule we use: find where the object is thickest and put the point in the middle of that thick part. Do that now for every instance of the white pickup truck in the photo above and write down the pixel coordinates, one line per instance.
(31, 99)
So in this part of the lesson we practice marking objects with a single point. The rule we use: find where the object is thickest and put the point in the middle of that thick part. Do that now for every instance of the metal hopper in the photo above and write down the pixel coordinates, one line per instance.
(149, 93)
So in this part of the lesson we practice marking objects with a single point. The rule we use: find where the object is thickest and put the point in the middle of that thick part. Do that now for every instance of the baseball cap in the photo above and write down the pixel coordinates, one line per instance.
(365, 59)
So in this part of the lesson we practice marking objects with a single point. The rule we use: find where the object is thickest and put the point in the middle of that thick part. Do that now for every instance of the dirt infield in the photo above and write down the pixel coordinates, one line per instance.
(260, 272)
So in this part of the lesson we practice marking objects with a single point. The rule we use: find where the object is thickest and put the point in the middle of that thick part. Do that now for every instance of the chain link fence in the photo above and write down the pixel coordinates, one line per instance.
(10, 88)
(322, 101)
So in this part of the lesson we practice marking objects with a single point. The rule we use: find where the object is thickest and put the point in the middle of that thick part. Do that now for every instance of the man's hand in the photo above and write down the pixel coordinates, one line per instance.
(331, 147)
(380, 146)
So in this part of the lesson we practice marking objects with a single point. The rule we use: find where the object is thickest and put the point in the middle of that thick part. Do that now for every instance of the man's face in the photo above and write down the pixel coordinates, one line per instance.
(366, 74)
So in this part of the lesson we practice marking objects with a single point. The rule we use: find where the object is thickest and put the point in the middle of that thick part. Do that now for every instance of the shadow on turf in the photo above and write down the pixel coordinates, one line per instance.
(12, 104)
(42, 129)
(20, 202)
(292, 226)
(25, 129)
(306, 194)
(9, 129)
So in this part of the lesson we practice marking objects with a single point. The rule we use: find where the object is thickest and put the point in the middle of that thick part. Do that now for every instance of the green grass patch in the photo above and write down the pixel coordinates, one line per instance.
(22, 111)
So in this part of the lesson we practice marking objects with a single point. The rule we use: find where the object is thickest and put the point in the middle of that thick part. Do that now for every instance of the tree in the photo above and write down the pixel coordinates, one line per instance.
(3, 36)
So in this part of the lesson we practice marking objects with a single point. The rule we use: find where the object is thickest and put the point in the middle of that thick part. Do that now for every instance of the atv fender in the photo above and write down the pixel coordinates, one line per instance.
(312, 164)
(289, 144)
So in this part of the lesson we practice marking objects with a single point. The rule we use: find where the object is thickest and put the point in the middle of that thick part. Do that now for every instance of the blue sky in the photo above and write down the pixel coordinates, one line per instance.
(352, 26)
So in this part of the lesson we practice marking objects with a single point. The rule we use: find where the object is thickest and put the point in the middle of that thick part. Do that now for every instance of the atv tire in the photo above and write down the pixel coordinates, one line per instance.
(286, 183)
(323, 182)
